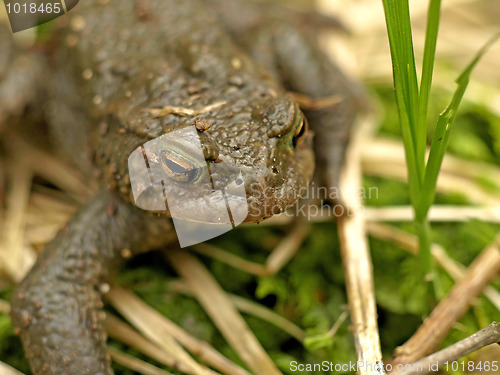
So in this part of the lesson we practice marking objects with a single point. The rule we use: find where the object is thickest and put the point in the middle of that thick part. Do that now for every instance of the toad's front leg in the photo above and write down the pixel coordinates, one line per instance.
(57, 309)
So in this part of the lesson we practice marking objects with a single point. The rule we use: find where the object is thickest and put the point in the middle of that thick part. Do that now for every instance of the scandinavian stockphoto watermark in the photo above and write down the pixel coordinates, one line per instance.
(316, 202)
(381, 367)
(206, 199)
(171, 170)
(25, 14)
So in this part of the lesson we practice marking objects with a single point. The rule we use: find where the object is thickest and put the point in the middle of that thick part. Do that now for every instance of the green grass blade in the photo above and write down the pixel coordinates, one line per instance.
(442, 134)
(431, 34)
(411, 71)
(405, 84)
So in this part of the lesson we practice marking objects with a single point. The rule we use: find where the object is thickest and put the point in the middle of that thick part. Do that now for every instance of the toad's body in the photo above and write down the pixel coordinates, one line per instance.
(119, 63)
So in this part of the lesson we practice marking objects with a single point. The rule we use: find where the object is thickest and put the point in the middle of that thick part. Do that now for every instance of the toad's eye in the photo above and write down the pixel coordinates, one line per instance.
(300, 130)
(178, 167)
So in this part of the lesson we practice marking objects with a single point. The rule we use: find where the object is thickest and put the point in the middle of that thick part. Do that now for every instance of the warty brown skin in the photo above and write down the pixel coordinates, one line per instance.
(117, 61)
